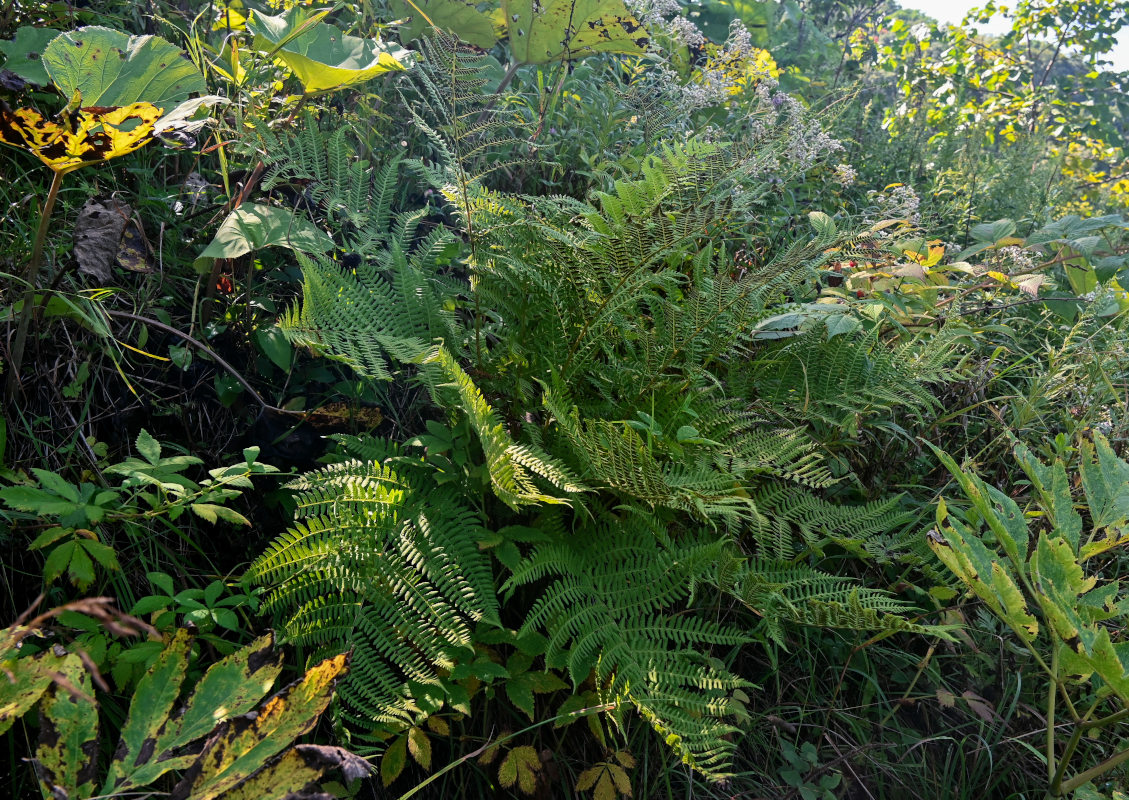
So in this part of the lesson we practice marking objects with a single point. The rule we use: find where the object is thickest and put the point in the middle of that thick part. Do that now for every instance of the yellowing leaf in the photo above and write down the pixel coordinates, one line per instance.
(86, 136)
(935, 254)
(393, 760)
(247, 742)
(420, 747)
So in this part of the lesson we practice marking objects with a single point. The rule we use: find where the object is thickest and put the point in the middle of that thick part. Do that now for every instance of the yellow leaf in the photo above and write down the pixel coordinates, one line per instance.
(86, 136)
(420, 747)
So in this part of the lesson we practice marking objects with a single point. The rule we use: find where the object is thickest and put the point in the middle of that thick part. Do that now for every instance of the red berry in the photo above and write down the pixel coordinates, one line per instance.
(860, 294)
(853, 264)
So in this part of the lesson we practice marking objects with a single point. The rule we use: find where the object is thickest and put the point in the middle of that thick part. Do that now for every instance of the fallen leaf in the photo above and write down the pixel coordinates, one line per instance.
(97, 236)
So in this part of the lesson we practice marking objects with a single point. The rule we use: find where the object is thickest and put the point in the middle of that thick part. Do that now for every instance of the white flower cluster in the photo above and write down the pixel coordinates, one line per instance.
(667, 15)
(845, 174)
(1018, 259)
(901, 202)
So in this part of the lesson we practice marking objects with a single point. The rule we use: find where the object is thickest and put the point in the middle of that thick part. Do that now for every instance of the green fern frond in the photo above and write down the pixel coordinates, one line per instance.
(378, 563)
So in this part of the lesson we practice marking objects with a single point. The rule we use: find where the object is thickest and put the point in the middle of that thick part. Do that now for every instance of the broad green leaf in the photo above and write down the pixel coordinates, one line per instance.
(319, 54)
(992, 232)
(459, 17)
(152, 702)
(564, 30)
(229, 688)
(248, 742)
(276, 346)
(68, 734)
(162, 581)
(110, 68)
(25, 53)
(148, 447)
(253, 226)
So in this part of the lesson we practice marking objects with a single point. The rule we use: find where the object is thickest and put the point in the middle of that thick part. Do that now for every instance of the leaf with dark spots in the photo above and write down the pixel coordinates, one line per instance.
(68, 734)
(246, 743)
(140, 73)
(22, 683)
(23, 54)
(564, 30)
(229, 688)
(296, 771)
(152, 701)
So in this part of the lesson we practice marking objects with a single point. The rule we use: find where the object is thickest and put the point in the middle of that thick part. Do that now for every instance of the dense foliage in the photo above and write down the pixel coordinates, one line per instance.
(610, 398)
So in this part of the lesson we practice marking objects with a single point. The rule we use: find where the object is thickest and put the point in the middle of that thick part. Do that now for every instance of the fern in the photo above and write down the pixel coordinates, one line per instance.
(380, 562)
(610, 609)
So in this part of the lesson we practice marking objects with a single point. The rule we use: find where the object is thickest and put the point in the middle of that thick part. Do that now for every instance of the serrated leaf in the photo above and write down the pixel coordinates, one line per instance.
(53, 482)
(49, 536)
(80, 569)
(605, 789)
(102, 553)
(36, 501)
(58, 560)
(148, 447)
(620, 779)
(1105, 479)
(420, 747)
(588, 778)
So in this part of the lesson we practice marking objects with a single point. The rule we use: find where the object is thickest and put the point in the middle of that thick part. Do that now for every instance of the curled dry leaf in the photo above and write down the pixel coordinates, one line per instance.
(97, 237)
